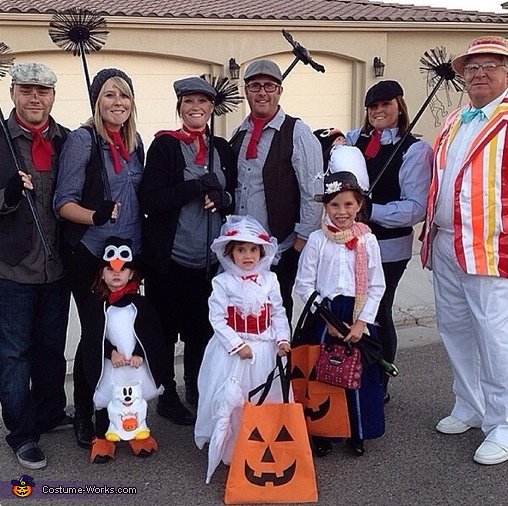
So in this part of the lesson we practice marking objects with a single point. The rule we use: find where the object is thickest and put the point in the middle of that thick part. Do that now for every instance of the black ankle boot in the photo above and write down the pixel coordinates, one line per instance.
(83, 429)
(171, 407)
(322, 446)
(356, 444)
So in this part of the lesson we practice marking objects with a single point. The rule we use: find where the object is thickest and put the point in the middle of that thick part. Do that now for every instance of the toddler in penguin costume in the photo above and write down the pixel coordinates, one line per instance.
(124, 354)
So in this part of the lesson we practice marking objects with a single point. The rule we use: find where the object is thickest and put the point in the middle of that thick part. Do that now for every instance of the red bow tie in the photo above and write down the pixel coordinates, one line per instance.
(251, 277)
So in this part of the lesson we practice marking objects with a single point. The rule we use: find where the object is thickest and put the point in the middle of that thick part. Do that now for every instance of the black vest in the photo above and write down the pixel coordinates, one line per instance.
(387, 189)
(93, 193)
(282, 193)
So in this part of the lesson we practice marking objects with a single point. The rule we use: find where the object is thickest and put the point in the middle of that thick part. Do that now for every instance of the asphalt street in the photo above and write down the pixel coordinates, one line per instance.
(411, 464)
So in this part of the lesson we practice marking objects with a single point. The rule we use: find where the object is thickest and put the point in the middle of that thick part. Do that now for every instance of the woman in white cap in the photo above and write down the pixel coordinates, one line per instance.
(185, 205)
(399, 197)
(98, 199)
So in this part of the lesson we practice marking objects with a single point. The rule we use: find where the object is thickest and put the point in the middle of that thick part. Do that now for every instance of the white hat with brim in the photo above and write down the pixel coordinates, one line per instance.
(244, 229)
(481, 45)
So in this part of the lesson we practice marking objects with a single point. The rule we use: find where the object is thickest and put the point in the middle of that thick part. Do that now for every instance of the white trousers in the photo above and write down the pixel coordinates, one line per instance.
(472, 320)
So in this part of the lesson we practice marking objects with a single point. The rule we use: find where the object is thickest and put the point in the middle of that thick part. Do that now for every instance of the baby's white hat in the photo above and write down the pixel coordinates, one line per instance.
(349, 159)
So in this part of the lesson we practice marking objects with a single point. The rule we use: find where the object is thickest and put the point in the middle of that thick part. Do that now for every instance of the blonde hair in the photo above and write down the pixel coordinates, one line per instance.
(128, 130)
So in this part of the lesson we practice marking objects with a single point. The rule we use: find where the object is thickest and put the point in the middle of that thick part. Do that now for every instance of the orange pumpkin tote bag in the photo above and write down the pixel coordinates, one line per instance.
(272, 460)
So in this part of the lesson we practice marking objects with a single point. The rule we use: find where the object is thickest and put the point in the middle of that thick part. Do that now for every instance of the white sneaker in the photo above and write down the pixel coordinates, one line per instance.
(489, 453)
(452, 425)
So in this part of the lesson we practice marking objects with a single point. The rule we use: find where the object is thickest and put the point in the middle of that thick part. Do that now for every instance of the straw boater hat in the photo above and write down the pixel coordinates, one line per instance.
(481, 45)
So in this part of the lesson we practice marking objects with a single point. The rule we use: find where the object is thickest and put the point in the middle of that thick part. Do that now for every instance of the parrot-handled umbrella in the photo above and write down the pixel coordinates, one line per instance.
(5, 63)
(439, 69)
(301, 54)
(81, 31)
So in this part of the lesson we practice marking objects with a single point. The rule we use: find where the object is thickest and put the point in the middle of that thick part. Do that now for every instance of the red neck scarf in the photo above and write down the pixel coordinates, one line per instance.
(117, 146)
(130, 287)
(252, 147)
(188, 137)
(41, 146)
(374, 145)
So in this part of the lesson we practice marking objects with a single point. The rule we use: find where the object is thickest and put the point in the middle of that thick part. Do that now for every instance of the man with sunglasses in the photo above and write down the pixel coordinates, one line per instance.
(279, 159)
(466, 245)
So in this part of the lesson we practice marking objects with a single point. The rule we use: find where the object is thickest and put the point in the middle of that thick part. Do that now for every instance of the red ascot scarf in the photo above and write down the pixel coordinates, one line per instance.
(374, 145)
(252, 147)
(130, 287)
(189, 137)
(41, 146)
(117, 146)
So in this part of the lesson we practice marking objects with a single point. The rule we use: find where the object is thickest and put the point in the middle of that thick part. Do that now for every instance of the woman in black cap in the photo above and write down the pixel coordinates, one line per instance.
(185, 205)
(399, 198)
(96, 194)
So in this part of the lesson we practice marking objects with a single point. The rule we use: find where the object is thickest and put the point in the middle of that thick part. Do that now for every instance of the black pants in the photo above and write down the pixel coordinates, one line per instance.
(81, 267)
(181, 299)
(393, 272)
(286, 274)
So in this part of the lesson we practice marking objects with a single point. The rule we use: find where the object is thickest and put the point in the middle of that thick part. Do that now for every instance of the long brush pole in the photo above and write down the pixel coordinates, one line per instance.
(29, 197)
(399, 144)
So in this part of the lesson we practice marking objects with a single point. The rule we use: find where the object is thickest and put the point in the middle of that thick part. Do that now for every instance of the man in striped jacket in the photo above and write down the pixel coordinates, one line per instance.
(466, 245)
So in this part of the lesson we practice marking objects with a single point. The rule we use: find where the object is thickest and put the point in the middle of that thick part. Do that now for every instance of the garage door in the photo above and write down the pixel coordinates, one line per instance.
(153, 79)
(320, 99)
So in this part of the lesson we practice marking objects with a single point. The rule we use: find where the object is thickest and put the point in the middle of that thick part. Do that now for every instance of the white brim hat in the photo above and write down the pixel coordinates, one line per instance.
(244, 229)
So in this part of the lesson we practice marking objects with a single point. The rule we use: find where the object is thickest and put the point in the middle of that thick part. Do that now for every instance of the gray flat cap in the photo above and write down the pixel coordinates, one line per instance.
(265, 68)
(194, 85)
(36, 74)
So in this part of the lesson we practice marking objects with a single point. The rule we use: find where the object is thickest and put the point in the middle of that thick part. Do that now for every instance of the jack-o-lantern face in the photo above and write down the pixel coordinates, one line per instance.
(272, 459)
(129, 423)
(325, 406)
(22, 491)
(23, 486)
(268, 452)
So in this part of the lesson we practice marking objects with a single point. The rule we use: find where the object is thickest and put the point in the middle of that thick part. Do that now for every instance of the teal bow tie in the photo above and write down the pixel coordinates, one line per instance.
(467, 116)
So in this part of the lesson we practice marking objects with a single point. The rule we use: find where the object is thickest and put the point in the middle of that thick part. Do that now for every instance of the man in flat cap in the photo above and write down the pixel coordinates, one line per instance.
(34, 297)
(466, 245)
(279, 159)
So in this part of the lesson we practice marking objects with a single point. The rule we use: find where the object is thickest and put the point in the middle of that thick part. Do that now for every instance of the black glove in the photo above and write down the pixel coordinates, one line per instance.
(366, 210)
(13, 190)
(220, 198)
(103, 213)
(210, 182)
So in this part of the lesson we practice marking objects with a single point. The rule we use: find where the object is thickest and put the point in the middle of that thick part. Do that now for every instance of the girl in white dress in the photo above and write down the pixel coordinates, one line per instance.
(250, 328)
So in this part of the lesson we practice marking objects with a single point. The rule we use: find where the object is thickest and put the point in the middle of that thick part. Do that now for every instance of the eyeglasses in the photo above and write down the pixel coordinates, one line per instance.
(490, 66)
(268, 87)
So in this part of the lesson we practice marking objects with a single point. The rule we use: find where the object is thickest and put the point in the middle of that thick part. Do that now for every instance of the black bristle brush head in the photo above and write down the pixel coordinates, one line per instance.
(438, 66)
(228, 95)
(6, 60)
(76, 28)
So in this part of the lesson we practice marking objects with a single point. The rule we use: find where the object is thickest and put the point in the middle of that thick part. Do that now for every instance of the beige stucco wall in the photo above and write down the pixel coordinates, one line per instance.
(156, 52)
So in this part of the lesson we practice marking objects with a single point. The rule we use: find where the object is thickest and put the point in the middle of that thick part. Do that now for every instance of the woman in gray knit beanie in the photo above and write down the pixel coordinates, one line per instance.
(96, 196)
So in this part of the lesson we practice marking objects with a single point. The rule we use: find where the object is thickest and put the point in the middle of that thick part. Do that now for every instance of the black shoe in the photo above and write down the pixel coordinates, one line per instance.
(387, 398)
(356, 445)
(102, 459)
(84, 431)
(31, 456)
(322, 446)
(175, 412)
(191, 396)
